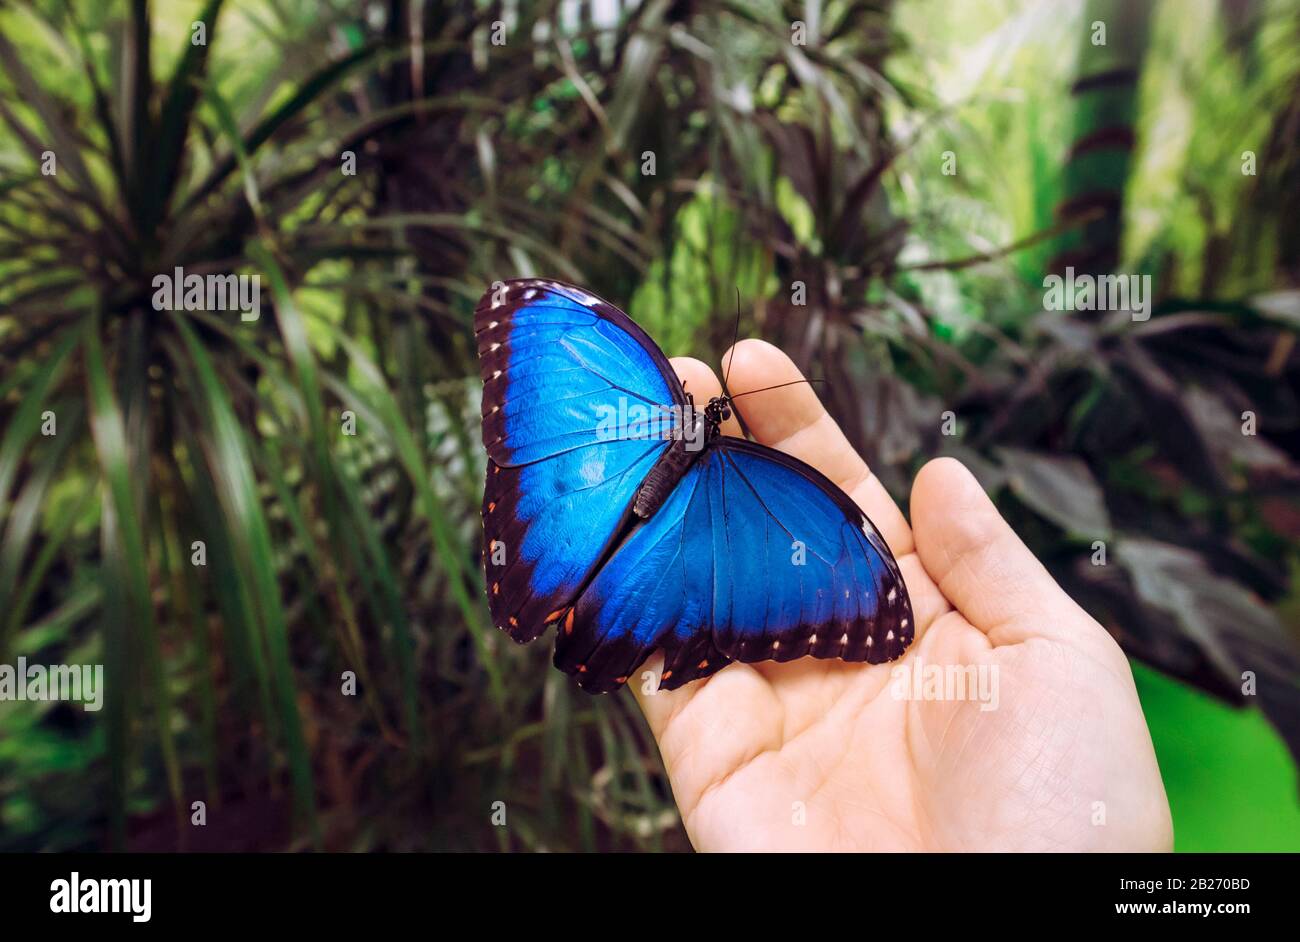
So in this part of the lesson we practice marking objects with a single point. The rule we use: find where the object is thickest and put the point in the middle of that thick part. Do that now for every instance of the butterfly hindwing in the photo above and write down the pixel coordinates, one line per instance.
(554, 360)
(754, 556)
(809, 573)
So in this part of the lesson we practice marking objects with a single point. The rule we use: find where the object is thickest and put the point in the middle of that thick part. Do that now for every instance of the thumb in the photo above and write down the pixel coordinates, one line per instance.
(982, 567)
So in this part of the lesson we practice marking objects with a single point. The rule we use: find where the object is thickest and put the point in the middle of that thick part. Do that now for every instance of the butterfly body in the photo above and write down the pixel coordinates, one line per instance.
(659, 532)
(698, 430)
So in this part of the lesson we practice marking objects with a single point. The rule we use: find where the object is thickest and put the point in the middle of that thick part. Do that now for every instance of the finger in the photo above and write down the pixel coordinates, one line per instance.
(979, 563)
(657, 705)
(793, 420)
(700, 381)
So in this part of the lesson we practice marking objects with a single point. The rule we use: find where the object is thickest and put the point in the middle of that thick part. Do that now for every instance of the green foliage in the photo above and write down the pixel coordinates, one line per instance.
(1235, 796)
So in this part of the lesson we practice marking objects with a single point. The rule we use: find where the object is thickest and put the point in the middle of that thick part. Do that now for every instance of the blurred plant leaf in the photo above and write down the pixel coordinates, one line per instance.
(1238, 633)
(1060, 488)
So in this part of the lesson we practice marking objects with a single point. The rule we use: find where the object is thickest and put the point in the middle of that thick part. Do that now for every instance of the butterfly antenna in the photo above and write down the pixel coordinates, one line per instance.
(793, 382)
(735, 337)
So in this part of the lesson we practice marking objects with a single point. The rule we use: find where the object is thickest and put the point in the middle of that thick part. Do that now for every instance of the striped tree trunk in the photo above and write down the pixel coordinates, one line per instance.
(1105, 105)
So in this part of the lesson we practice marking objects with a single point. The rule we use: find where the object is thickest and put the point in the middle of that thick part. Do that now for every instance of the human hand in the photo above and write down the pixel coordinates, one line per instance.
(822, 755)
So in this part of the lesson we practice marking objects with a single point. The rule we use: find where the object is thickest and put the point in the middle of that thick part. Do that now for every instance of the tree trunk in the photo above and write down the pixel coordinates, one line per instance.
(1105, 105)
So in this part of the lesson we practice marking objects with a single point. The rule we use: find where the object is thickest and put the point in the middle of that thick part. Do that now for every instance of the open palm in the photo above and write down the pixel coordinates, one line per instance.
(825, 755)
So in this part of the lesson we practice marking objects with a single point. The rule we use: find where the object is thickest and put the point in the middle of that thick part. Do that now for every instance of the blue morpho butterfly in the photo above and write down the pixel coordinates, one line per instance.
(619, 513)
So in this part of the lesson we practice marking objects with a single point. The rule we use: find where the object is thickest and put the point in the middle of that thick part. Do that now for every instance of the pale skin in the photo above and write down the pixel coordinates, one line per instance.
(823, 755)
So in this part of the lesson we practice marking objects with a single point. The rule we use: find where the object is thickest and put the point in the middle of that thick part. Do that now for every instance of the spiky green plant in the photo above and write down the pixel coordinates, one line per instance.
(190, 516)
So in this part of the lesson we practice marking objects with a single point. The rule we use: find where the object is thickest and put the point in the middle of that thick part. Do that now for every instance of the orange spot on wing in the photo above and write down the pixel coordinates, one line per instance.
(621, 680)
(554, 616)
(666, 675)
(514, 622)
(582, 668)
(496, 588)
(568, 623)
(492, 505)
(704, 663)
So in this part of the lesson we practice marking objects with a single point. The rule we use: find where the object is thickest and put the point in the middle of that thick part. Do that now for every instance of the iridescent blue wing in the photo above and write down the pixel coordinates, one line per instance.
(754, 556)
(555, 359)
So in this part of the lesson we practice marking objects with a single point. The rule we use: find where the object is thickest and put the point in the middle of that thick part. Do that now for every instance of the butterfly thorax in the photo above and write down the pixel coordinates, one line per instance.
(715, 413)
(698, 430)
